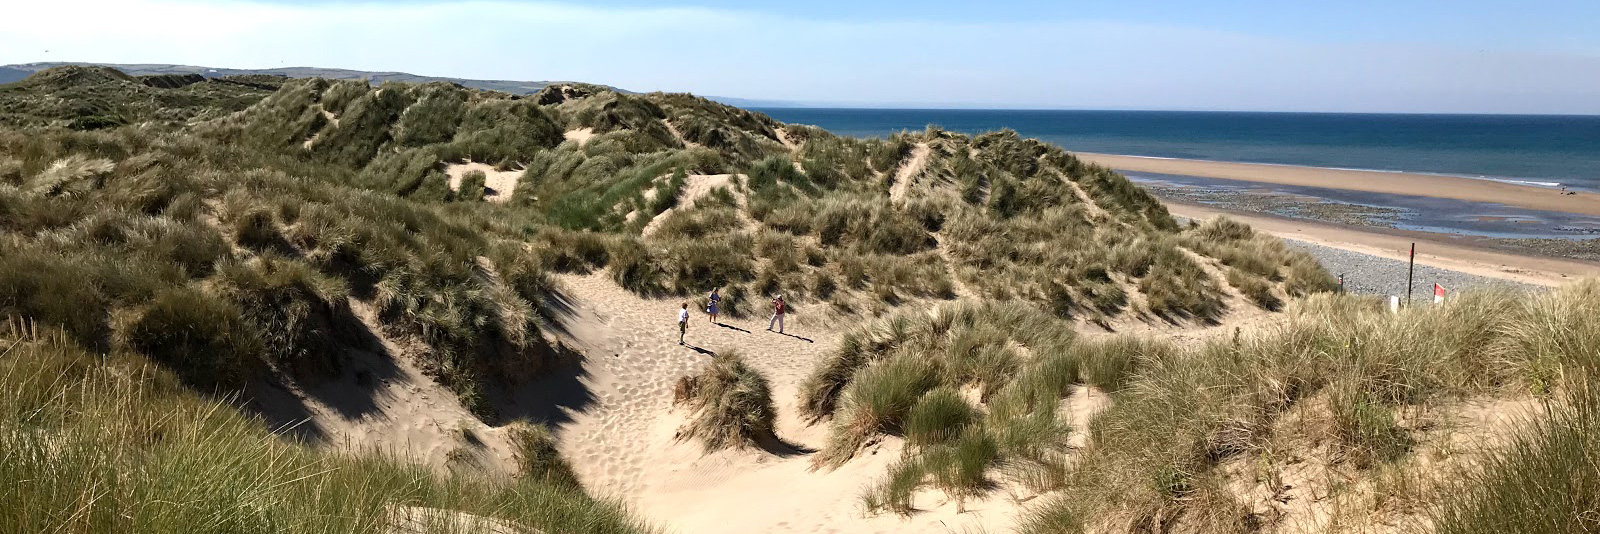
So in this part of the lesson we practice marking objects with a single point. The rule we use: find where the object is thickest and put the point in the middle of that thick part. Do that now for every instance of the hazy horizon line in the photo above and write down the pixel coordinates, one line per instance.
(757, 103)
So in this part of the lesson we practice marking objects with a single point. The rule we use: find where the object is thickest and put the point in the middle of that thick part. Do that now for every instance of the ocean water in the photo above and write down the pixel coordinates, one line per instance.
(1544, 149)
(1405, 212)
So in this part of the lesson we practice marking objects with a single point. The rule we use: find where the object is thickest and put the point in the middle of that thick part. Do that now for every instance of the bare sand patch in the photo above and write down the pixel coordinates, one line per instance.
(580, 135)
(499, 184)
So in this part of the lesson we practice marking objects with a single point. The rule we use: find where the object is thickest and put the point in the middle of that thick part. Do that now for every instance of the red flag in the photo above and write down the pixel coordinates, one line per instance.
(1438, 293)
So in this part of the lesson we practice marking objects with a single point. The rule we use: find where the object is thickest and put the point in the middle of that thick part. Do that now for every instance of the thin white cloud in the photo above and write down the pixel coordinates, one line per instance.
(1083, 64)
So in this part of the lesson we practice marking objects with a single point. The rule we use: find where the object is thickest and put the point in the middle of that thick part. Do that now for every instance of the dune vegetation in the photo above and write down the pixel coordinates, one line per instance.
(1342, 398)
(172, 245)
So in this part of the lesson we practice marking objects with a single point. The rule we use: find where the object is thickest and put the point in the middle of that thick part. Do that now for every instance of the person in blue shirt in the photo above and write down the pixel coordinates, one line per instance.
(713, 306)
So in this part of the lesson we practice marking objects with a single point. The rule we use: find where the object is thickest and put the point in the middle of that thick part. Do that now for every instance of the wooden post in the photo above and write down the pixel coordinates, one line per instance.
(1410, 272)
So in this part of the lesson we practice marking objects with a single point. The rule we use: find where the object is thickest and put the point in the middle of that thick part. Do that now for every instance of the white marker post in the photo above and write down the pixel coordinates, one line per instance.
(1394, 304)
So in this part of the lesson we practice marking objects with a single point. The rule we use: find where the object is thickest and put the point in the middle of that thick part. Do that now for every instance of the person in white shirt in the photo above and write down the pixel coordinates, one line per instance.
(683, 322)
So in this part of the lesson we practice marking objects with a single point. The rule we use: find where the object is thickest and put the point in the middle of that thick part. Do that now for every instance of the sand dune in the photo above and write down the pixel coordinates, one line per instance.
(623, 444)
(1425, 185)
(615, 423)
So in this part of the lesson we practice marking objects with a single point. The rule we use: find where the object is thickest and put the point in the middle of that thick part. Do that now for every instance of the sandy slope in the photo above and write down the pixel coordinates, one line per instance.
(1426, 185)
(383, 402)
(623, 444)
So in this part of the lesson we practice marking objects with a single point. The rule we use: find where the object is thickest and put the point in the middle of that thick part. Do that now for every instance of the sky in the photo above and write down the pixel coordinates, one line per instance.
(1463, 56)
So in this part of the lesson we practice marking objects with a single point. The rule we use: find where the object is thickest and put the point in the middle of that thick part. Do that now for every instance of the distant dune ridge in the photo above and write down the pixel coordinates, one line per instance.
(11, 73)
(258, 303)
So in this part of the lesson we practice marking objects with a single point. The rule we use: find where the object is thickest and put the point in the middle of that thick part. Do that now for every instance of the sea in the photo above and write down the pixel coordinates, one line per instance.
(1555, 151)
(1546, 150)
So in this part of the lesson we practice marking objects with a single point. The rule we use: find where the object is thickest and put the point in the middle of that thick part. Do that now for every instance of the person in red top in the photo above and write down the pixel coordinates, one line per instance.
(778, 309)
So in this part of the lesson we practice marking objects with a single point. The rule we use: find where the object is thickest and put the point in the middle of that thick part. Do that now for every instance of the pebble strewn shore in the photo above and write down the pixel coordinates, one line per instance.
(1373, 275)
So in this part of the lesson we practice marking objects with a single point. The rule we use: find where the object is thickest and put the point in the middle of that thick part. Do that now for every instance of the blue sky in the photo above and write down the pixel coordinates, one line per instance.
(1398, 56)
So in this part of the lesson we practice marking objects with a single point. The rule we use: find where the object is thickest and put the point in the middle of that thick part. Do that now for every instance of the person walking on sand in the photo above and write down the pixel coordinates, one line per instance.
(712, 306)
(683, 322)
(778, 309)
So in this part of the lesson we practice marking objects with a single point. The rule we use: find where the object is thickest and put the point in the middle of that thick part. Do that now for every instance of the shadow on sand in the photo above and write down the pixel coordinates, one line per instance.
(552, 398)
(777, 446)
(805, 339)
(364, 366)
(284, 413)
(731, 327)
(556, 310)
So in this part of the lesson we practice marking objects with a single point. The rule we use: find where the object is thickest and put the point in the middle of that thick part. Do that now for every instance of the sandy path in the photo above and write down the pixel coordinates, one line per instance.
(696, 187)
(783, 137)
(623, 443)
(1432, 252)
(1089, 204)
(679, 135)
(1525, 196)
(907, 171)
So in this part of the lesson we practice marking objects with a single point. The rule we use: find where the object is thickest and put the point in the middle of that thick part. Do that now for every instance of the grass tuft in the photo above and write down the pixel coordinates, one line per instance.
(732, 405)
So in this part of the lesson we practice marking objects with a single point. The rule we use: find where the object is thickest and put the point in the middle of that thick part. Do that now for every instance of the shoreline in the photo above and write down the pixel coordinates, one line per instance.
(1513, 180)
(1395, 245)
(1397, 183)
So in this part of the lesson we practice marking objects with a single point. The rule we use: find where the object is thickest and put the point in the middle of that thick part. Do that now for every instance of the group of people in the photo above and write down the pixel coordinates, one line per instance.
(714, 309)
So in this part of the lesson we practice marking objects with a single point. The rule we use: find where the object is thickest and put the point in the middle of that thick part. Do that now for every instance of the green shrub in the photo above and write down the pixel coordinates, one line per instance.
(1366, 429)
(257, 229)
(960, 467)
(1110, 363)
(877, 401)
(937, 417)
(1257, 289)
(472, 184)
(570, 251)
(699, 223)
(894, 492)
(204, 340)
(72, 291)
(301, 315)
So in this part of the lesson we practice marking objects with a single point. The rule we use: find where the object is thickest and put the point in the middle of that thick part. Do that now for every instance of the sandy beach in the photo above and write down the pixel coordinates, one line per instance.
(1523, 196)
(1431, 251)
